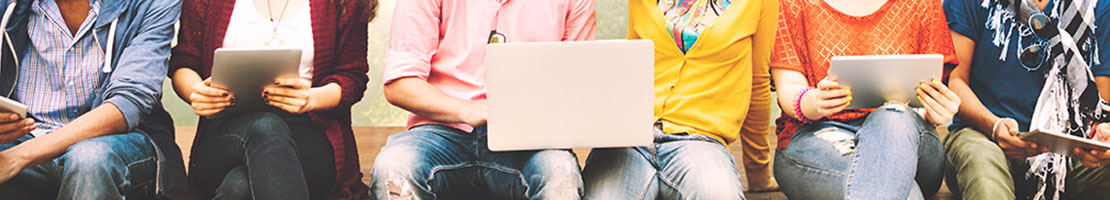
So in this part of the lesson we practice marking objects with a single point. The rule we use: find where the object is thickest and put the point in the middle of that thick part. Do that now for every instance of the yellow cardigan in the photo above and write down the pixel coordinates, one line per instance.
(721, 85)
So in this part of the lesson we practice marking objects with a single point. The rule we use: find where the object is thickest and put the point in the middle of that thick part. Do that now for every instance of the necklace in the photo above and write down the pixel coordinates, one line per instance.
(274, 40)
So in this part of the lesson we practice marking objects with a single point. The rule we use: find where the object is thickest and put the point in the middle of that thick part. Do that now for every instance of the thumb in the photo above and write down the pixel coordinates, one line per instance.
(1102, 132)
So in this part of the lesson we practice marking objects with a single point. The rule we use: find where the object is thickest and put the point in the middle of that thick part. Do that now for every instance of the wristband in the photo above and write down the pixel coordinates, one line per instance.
(798, 106)
(995, 127)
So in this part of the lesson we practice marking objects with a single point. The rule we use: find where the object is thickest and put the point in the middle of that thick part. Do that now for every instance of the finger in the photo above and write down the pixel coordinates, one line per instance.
(9, 117)
(209, 106)
(933, 94)
(929, 101)
(833, 94)
(298, 83)
(15, 126)
(1102, 155)
(1087, 158)
(286, 107)
(1102, 132)
(947, 93)
(210, 91)
(828, 84)
(298, 102)
(197, 98)
(834, 103)
(285, 92)
(205, 113)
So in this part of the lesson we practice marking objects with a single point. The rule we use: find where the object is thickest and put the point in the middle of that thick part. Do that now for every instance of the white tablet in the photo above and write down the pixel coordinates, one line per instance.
(244, 72)
(9, 105)
(1062, 143)
(878, 79)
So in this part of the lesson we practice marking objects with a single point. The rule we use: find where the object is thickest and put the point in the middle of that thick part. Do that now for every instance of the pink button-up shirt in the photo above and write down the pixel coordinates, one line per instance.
(444, 41)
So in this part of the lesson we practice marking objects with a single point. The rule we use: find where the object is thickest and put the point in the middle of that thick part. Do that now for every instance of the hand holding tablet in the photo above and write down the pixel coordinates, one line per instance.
(14, 122)
(246, 72)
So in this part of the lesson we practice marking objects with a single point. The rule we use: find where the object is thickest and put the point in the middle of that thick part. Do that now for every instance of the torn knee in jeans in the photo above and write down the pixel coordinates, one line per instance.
(399, 189)
(895, 106)
(844, 143)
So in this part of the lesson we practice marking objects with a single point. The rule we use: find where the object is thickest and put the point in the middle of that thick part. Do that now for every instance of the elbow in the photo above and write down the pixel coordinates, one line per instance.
(391, 94)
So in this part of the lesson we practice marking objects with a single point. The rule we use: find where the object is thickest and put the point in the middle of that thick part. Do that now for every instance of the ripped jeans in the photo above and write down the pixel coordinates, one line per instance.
(440, 162)
(891, 154)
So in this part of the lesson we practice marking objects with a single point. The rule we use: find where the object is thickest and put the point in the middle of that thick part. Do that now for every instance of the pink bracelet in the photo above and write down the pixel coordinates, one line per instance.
(798, 106)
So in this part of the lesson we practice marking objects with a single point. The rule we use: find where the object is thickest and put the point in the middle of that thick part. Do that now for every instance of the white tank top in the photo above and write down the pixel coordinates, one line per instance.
(249, 29)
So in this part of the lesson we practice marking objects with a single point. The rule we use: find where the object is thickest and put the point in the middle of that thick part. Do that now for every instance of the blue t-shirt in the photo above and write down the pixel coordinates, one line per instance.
(1002, 84)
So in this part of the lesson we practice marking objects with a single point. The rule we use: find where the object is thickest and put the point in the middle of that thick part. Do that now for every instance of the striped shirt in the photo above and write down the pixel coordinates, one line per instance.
(59, 75)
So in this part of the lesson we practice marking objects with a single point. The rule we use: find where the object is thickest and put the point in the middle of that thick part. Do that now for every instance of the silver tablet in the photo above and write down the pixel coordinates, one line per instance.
(881, 78)
(1062, 143)
(244, 72)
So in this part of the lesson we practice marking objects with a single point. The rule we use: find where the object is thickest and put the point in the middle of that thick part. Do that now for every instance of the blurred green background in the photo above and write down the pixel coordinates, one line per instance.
(612, 21)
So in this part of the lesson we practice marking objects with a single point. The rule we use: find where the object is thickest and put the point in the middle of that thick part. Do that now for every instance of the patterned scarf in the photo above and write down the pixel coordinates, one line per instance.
(1069, 102)
(686, 19)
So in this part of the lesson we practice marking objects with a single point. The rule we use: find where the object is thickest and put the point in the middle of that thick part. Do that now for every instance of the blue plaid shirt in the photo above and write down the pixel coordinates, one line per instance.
(60, 72)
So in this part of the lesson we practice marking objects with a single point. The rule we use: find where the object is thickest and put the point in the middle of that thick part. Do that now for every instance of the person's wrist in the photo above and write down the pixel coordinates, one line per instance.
(14, 156)
(998, 123)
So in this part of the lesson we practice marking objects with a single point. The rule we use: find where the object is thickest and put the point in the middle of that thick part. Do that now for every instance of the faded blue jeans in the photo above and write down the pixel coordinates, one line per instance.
(674, 167)
(440, 162)
(891, 154)
(107, 167)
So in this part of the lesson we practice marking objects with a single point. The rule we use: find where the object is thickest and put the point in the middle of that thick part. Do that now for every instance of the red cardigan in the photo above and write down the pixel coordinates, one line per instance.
(339, 29)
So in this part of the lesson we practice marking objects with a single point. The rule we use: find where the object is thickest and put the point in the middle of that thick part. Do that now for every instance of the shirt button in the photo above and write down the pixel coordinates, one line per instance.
(70, 83)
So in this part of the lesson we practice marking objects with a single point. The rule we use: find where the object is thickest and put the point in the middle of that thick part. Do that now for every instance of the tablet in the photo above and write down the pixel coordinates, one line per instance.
(244, 72)
(9, 105)
(1062, 143)
(878, 79)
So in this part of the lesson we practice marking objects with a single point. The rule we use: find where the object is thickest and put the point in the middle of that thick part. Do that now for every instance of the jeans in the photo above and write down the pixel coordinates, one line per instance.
(107, 167)
(892, 154)
(674, 167)
(262, 155)
(440, 162)
(977, 169)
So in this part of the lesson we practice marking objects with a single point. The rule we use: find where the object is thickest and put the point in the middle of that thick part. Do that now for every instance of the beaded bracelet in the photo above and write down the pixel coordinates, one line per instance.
(798, 106)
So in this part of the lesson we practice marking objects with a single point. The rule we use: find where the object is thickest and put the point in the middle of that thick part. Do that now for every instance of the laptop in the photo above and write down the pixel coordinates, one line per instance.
(558, 95)
(878, 79)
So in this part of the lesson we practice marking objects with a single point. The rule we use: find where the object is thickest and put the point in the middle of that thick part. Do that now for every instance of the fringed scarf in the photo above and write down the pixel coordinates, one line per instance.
(1069, 102)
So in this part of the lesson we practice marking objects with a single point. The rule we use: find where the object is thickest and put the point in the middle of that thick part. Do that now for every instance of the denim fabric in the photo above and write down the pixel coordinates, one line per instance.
(440, 162)
(263, 155)
(107, 167)
(891, 154)
(674, 167)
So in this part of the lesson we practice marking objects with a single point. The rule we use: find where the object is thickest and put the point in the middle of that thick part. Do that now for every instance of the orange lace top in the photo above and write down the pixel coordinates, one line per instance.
(809, 34)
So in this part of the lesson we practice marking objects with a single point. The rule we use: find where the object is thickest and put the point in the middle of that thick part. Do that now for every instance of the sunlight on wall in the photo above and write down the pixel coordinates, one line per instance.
(612, 20)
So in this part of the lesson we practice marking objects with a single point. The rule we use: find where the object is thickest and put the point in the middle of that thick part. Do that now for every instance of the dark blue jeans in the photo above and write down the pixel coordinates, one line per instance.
(107, 167)
(674, 167)
(262, 155)
(892, 154)
(440, 162)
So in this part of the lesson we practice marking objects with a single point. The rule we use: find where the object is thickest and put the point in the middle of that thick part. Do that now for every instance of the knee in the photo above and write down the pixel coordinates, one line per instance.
(262, 125)
(94, 157)
(235, 185)
(399, 170)
(554, 174)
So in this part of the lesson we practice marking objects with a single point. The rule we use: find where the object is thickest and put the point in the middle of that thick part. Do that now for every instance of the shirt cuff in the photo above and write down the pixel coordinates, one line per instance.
(129, 109)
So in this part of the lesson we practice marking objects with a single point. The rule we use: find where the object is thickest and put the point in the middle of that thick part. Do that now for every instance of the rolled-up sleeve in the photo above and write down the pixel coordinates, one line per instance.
(135, 85)
(414, 39)
(581, 21)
